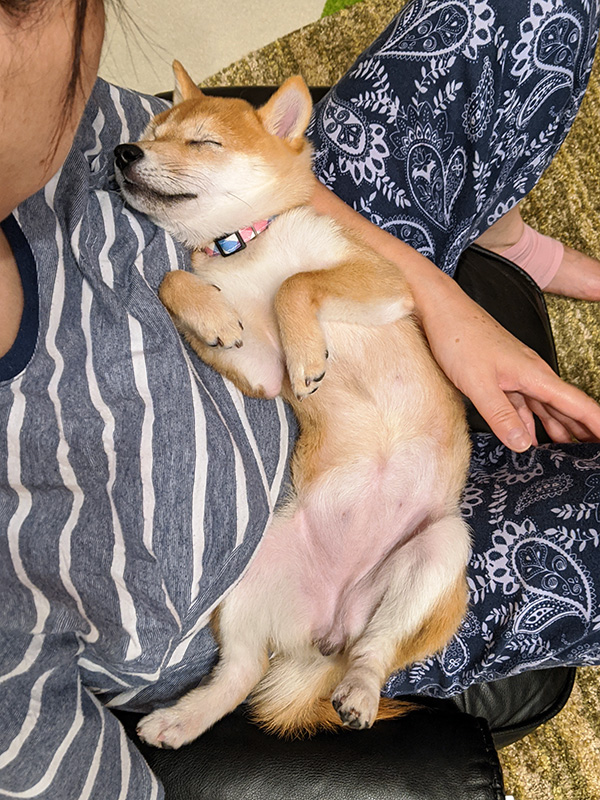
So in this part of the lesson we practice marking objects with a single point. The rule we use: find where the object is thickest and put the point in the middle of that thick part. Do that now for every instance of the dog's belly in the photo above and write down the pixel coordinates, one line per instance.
(325, 558)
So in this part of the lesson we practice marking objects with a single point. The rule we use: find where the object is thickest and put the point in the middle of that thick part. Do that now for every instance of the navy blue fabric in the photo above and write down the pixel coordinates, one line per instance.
(439, 128)
(22, 349)
(534, 573)
(452, 115)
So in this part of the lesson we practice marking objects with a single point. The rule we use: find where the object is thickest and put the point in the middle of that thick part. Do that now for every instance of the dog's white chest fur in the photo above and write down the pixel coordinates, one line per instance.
(297, 241)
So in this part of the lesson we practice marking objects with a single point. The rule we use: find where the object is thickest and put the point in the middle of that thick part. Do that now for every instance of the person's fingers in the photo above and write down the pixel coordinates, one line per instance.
(502, 417)
(577, 430)
(520, 405)
(565, 400)
(555, 428)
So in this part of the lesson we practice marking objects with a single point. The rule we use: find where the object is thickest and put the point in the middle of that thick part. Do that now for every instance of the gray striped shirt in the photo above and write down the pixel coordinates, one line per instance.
(135, 485)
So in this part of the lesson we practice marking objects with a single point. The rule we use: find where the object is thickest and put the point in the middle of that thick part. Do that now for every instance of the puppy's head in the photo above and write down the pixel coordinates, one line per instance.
(209, 165)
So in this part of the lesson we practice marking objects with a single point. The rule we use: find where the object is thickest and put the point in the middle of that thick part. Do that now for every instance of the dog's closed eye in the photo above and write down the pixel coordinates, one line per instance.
(200, 142)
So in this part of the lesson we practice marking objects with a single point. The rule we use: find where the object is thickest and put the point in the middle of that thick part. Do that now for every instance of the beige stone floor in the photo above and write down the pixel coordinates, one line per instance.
(144, 36)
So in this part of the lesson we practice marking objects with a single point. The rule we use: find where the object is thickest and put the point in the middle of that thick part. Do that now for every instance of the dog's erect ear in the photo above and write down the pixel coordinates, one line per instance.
(185, 88)
(287, 113)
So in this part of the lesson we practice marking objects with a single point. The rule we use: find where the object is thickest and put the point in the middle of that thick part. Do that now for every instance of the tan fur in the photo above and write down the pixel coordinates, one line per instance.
(289, 705)
(306, 307)
(307, 709)
(436, 631)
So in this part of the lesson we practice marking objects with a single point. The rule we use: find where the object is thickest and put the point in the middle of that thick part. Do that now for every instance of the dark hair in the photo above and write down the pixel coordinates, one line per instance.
(20, 10)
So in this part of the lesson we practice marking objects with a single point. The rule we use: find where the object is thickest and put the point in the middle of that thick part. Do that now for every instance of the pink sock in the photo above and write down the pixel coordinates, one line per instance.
(538, 255)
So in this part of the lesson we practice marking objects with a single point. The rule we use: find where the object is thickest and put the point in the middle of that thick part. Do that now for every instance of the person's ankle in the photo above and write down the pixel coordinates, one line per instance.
(504, 233)
(540, 256)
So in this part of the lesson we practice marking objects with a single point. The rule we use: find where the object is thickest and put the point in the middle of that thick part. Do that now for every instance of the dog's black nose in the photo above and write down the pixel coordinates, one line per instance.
(126, 154)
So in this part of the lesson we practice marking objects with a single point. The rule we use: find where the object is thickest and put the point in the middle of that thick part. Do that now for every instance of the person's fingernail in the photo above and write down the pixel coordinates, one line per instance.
(518, 439)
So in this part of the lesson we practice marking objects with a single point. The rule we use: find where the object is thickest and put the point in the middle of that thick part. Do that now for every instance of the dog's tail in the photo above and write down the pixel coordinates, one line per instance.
(293, 700)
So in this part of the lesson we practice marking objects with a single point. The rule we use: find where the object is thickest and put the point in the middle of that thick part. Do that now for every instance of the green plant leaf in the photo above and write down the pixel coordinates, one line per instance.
(331, 6)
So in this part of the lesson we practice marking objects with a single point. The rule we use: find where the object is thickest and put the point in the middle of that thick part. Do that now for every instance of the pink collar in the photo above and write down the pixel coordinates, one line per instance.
(231, 243)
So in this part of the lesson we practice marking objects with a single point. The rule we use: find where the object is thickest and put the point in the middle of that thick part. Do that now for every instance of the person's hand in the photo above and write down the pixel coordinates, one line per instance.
(506, 381)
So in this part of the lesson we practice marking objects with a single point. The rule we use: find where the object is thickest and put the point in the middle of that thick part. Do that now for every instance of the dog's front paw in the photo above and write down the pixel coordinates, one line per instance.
(355, 704)
(200, 309)
(219, 326)
(307, 373)
(169, 728)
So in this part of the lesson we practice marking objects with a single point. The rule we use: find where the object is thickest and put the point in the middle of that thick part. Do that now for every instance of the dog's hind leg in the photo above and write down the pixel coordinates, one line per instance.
(421, 609)
(243, 662)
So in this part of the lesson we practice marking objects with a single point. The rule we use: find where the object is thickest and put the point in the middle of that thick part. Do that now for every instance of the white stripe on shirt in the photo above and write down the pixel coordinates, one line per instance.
(15, 422)
(97, 757)
(85, 664)
(116, 98)
(117, 570)
(29, 723)
(199, 498)
(241, 489)
(62, 451)
(125, 763)
(97, 126)
(284, 434)
(46, 780)
(106, 268)
(30, 657)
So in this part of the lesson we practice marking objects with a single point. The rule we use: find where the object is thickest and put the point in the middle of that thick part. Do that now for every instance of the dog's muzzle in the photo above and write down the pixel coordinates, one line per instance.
(125, 156)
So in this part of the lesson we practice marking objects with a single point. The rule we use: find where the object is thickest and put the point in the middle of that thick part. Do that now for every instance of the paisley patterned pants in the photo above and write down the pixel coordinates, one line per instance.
(438, 129)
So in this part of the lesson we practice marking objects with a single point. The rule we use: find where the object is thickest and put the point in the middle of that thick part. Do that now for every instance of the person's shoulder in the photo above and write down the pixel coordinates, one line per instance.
(114, 114)
(133, 109)
(82, 206)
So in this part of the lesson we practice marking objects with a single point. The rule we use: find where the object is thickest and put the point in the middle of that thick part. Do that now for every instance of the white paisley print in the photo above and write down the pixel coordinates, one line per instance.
(440, 128)
(533, 572)
(454, 112)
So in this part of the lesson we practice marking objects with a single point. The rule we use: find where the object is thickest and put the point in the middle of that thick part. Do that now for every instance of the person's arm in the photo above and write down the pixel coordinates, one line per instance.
(56, 739)
(506, 381)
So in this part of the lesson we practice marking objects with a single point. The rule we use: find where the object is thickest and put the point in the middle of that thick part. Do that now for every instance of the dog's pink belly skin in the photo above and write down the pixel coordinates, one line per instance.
(328, 553)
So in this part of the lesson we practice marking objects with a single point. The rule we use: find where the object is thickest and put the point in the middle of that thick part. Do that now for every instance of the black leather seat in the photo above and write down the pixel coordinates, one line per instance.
(446, 751)
(441, 755)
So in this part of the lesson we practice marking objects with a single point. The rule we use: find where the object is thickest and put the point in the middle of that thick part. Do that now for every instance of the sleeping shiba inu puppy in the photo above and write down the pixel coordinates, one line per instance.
(363, 571)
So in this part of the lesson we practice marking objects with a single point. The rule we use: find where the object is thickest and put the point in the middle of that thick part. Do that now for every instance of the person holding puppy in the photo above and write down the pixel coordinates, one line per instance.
(135, 484)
